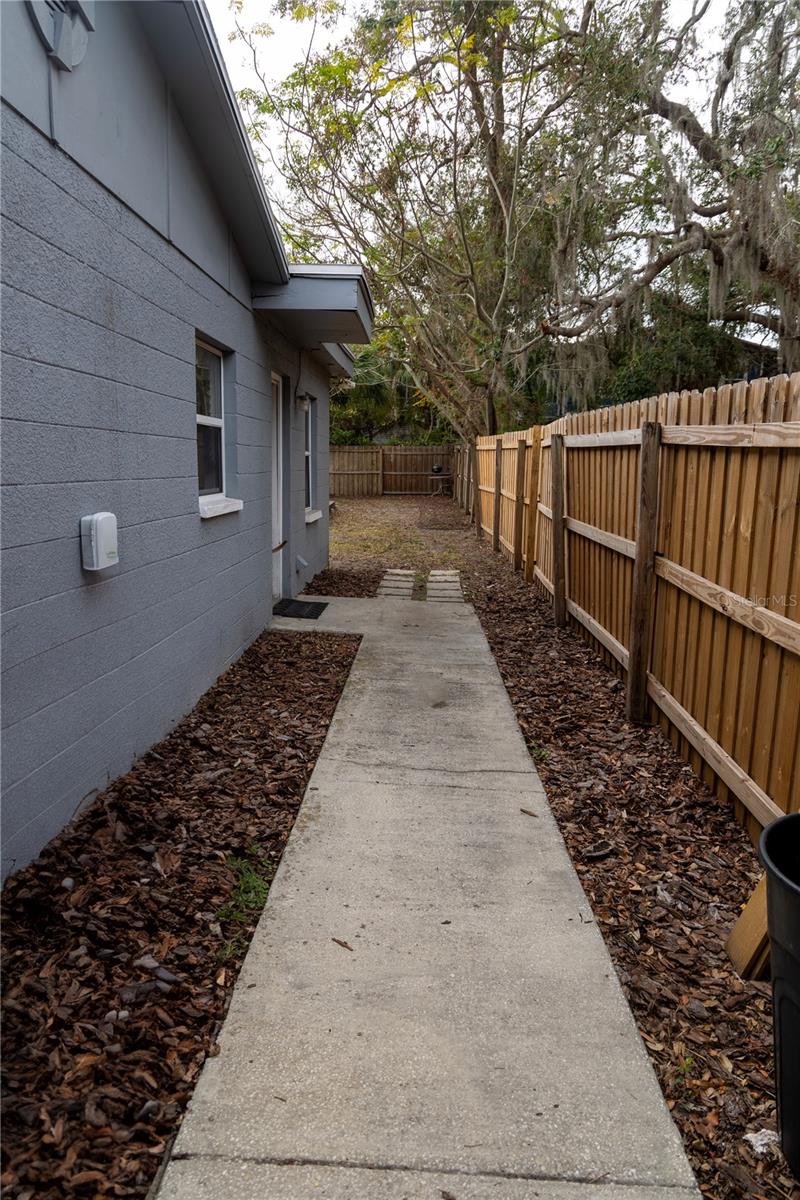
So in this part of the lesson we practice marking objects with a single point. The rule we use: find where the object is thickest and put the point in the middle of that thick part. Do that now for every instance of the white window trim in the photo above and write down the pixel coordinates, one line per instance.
(216, 504)
(312, 514)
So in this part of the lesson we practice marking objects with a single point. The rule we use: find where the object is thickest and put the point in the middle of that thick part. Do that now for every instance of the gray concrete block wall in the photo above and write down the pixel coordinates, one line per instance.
(115, 115)
(115, 254)
(99, 322)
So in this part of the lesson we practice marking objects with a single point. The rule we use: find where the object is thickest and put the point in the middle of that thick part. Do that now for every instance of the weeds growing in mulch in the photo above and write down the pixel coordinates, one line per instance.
(123, 941)
(664, 863)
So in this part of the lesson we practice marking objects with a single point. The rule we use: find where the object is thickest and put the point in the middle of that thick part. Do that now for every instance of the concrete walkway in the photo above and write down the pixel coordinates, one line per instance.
(427, 1008)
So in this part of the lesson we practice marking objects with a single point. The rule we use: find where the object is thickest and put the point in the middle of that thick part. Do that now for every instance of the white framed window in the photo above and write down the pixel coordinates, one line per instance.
(210, 418)
(309, 454)
(310, 450)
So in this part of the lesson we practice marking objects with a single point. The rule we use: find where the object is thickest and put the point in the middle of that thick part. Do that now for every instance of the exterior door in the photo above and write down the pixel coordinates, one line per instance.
(277, 490)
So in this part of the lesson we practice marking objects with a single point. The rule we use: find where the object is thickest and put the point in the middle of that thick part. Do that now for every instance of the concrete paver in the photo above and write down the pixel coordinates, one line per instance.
(397, 582)
(470, 1038)
(444, 587)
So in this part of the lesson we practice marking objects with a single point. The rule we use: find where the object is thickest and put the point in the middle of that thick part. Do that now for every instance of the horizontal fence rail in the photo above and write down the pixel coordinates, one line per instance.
(391, 470)
(668, 532)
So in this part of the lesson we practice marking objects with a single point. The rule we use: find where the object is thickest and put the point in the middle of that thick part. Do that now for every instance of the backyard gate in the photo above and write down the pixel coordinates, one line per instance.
(389, 470)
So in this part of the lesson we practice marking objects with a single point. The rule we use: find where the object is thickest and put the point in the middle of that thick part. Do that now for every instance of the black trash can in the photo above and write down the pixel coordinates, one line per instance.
(780, 854)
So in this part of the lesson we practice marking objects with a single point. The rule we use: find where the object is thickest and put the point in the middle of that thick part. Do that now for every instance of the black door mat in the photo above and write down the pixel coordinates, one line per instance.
(308, 609)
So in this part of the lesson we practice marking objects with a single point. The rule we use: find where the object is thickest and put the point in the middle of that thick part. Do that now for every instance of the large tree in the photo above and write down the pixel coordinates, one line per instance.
(415, 145)
(523, 180)
(685, 156)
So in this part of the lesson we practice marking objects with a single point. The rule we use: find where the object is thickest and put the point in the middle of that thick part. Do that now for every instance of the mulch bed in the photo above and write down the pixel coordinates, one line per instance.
(666, 869)
(664, 863)
(361, 579)
(123, 941)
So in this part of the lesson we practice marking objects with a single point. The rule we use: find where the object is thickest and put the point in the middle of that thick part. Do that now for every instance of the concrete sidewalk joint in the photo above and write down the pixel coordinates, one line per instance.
(427, 1007)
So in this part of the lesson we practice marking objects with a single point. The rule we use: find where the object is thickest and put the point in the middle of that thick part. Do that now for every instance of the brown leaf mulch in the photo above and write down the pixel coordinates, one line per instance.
(664, 864)
(666, 869)
(361, 579)
(123, 941)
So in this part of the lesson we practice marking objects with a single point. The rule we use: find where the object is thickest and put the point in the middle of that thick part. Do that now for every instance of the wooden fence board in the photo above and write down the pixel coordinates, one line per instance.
(642, 596)
(361, 471)
(723, 659)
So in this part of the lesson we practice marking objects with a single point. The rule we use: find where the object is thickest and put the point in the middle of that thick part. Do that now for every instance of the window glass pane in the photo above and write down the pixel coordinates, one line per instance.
(208, 374)
(209, 459)
(308, 457)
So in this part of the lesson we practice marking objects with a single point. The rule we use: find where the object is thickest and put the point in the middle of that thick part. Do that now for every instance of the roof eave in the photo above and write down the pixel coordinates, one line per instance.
(319, 307)
(338, 360)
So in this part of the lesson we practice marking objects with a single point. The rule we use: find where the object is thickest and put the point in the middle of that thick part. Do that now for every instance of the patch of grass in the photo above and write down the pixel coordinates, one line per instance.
(233, 948)
(253, 878)
(379, 542)
(684, 1067)
(541, 753)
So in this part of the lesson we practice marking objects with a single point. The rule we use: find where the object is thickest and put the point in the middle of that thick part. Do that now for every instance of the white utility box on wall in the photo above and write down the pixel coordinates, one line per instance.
(99, 541)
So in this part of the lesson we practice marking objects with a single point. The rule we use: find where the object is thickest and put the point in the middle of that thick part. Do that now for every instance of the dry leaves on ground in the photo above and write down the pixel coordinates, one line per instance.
(123, 941)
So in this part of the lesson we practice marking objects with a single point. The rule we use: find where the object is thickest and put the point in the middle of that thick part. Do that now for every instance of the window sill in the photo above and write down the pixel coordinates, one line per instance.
(313, 515)
(216, 506)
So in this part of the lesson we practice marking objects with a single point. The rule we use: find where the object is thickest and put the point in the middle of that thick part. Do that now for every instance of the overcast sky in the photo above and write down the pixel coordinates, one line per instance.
(279, 53)
(288, 44)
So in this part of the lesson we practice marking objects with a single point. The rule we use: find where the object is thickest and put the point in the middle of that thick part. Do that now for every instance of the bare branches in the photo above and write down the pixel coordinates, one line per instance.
(740, 166)
(681, 117)
(523, 179)
(642, 278)
(753, 316)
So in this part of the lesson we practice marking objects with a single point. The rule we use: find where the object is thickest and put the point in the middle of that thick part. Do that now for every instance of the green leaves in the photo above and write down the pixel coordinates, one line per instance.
(505, 169)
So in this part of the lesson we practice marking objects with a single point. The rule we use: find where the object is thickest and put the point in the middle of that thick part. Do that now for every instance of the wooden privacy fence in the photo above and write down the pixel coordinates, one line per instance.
(389, 470)
(668, 532)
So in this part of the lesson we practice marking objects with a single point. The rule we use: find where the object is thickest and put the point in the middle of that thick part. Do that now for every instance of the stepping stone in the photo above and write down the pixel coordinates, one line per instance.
(444, 587)
(397, 583)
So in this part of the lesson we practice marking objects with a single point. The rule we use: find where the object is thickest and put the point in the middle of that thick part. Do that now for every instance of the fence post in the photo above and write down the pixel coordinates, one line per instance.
(643, 573)
(380, 470)
(498, 484)
(519, 502)
(533, 502)
(557, 505)
(476, 490)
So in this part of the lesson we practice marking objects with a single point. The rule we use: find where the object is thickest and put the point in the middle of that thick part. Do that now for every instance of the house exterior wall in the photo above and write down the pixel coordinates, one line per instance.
(307, 541)
(107, 278)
